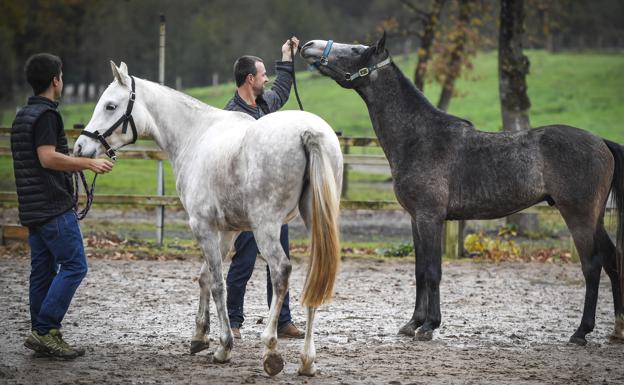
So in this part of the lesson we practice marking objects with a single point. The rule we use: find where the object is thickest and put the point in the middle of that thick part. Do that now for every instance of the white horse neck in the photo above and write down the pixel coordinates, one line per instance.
(177, 119)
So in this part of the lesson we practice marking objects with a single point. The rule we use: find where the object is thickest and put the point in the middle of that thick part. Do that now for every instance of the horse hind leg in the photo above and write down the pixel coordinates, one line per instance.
(308, 354)
(609, 263)
(583, 229)
(200, 340)
(268, 240)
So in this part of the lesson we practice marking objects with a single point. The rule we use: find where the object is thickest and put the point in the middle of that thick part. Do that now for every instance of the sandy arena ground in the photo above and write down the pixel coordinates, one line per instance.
(502, 324)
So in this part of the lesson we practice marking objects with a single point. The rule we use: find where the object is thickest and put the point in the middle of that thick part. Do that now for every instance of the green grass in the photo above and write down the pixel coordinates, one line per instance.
(585, 90)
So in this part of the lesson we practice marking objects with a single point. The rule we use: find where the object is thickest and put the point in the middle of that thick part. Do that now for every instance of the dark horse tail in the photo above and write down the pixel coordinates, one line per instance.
(617, 189)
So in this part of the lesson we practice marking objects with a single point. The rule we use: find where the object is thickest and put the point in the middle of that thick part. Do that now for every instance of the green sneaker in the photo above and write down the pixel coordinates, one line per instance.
(50, 344)
(57, 333)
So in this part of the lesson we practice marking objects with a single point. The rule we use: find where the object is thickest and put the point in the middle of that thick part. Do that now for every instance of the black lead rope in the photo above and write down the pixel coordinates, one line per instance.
(292, 55)
(89, 191)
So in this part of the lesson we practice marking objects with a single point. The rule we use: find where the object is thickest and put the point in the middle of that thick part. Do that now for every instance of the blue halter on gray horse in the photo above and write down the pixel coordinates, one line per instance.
(443, 168)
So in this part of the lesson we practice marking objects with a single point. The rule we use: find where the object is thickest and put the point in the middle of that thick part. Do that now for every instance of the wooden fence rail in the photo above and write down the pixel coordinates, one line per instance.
(452, 240)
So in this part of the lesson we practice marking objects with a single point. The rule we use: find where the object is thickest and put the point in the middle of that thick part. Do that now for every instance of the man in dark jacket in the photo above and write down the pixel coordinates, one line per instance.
(42, 169)
(251, 98)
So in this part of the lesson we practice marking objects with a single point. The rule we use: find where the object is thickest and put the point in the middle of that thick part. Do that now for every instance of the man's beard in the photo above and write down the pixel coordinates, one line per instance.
(259, 92)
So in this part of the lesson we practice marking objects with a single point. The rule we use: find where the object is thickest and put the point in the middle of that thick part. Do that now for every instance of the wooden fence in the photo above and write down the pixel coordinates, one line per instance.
(452, 242)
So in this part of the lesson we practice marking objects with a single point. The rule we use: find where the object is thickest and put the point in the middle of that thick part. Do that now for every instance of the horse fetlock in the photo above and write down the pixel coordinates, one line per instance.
(273, 363)
(269, 339)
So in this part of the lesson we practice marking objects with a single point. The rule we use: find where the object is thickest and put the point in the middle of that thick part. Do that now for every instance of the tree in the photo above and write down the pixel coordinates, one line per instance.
(513, 66)
(457, 52)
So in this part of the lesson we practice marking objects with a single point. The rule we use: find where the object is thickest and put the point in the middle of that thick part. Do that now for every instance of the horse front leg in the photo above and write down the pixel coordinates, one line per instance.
(420, 307)
(308, 354)
(268, 240)
(210, 242)
(200, 340)
(428, 247)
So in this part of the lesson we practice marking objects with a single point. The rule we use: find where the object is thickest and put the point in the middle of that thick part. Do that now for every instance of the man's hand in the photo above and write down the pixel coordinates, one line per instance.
(49, 158)
(100, 166)
(286, 55)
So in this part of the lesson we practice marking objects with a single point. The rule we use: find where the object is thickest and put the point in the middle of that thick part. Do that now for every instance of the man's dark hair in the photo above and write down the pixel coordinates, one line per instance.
(244, 66)
(40, 69)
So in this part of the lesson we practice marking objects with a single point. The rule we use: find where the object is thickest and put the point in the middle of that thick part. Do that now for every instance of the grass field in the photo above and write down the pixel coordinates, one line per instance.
(581, 89)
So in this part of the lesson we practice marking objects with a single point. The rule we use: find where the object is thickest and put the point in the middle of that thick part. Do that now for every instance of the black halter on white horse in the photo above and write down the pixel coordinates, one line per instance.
(364, 71)
(110, 152)
(124, 119)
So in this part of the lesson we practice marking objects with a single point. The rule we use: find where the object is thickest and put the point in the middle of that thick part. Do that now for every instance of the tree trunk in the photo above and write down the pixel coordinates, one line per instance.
(458, 43)
(426, 42)
(513, 66)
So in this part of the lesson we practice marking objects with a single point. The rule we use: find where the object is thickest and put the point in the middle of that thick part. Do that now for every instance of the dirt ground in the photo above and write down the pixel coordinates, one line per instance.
(502, 324)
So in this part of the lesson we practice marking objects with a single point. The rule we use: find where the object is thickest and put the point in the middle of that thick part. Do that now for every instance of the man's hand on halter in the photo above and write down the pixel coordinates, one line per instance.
(286, 55)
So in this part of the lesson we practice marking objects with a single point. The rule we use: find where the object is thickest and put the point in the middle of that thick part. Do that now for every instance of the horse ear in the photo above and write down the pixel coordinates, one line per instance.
(381, 44)
(123, 68)
(117, 73)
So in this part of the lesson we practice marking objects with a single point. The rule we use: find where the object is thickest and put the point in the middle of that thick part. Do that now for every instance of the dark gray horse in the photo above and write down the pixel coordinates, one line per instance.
(444, 168)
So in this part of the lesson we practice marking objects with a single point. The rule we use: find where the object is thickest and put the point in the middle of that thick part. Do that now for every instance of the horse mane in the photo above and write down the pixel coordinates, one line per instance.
(186, 99)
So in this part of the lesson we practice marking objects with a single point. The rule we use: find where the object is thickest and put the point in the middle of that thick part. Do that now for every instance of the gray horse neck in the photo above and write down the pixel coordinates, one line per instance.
(175, 121)
(398, 110)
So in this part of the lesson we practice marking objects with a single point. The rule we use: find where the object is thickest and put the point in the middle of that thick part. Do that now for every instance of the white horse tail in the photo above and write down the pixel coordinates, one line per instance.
(325, 245)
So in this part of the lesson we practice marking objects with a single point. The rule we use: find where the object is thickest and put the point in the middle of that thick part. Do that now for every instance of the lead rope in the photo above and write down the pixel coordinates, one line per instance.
(292, 55)
(89, 191)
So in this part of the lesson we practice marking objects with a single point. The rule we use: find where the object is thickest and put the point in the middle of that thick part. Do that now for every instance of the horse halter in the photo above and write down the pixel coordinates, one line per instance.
(125, 119)
(323, 61)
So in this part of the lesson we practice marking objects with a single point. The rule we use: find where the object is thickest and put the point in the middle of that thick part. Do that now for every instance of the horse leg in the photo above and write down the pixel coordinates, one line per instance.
(308, 354)
(420, 309)
(609, 263)
(583, 229)
(268, 240)
(428, 246)
(200, 340)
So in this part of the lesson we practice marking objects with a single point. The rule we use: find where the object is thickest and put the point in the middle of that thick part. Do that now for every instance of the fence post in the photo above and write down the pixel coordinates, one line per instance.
(450, 239)
(160, 188)
(345, 174)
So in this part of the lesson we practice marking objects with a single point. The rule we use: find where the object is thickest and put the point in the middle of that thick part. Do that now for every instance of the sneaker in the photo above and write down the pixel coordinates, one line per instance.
(236, 333)
(59, 336)
(50, 344)
(290, 331)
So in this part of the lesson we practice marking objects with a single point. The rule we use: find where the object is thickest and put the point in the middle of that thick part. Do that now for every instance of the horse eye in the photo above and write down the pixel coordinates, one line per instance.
(111, 107)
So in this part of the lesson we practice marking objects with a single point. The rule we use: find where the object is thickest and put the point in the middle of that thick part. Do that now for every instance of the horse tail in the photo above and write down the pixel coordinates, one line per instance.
(325, 245)
(617, 190)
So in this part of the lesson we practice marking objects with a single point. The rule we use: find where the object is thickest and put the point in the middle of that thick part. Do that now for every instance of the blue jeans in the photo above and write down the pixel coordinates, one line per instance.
(58, 265)
(240, 271)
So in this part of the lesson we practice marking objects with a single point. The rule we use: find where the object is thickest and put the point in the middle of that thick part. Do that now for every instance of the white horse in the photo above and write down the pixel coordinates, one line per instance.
(234, 173)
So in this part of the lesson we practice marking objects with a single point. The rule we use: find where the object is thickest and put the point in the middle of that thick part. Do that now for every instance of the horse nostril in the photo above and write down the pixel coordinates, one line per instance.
(78, 149)
(307, 45)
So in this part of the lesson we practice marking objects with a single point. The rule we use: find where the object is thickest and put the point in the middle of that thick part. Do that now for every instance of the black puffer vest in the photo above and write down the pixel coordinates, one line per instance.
(42, 193)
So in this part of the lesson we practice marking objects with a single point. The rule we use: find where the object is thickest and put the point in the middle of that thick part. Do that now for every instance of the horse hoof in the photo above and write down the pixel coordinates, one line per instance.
(580, 341)
(308, 372)
(408, 329)
(616, 338)
(423, 335)
(273, 363)
(221, 356)
(198, 346)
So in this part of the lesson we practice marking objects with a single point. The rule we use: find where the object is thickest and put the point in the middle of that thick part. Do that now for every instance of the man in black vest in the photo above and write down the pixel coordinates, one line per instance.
(42, 169)
(251, 98)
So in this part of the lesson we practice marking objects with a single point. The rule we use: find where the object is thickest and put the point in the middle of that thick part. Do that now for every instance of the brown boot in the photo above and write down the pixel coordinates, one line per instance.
(236, 333)
(290, 331)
